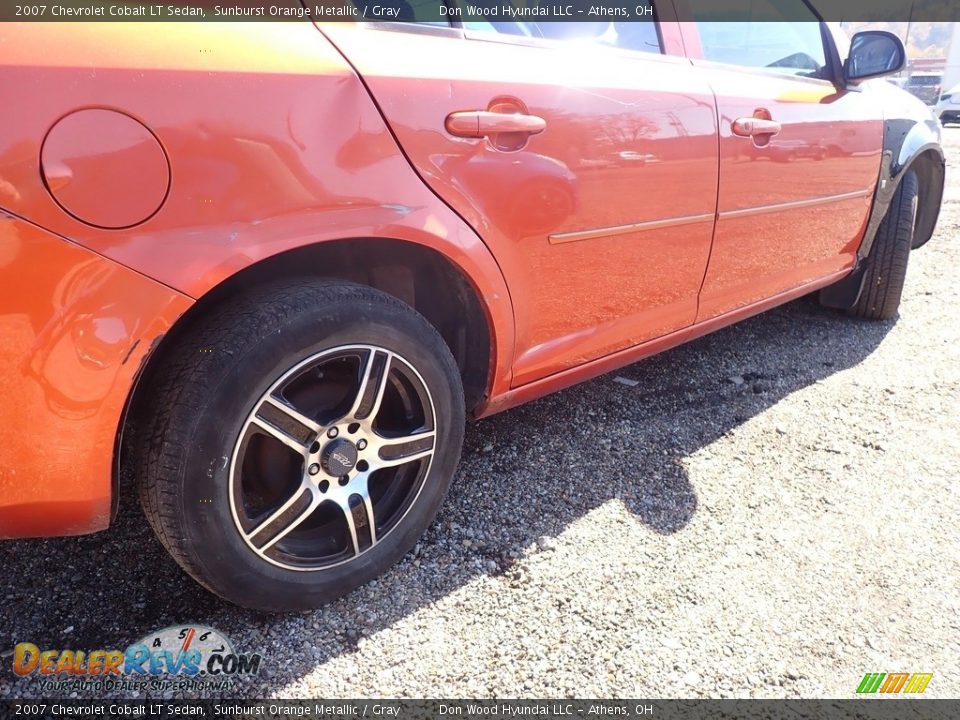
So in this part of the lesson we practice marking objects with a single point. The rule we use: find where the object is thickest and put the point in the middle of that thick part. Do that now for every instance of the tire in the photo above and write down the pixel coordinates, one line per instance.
(217, 461)
(887, 263)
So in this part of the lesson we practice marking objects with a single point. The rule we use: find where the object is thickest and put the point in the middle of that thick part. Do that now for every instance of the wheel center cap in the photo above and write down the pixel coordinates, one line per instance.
(338, 457)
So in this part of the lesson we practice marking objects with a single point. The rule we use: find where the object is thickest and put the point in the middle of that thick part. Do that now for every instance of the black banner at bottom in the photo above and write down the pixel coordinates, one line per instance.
(879, 709)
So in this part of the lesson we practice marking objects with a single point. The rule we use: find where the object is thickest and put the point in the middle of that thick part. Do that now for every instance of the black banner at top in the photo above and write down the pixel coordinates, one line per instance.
(462, 12)
(830, 10)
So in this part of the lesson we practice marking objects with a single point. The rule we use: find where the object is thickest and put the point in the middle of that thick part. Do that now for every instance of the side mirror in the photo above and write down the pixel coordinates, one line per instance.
(874, 53)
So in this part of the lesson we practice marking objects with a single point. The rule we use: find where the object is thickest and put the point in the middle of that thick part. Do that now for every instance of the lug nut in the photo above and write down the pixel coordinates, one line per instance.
(313, 469)
(361, 444)
(332, 432)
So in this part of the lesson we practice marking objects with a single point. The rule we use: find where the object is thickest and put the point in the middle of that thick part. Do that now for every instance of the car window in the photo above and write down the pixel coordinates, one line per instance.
(637, 35)
(753, 33)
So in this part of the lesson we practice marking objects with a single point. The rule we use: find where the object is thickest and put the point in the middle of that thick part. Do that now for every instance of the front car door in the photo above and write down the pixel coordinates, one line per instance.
(799, 154)
(597, 196)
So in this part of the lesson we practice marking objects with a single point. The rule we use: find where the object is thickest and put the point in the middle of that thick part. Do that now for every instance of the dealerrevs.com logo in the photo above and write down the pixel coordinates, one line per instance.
(180, 657)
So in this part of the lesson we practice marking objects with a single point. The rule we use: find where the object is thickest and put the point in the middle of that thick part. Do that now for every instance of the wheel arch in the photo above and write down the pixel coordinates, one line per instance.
(930, 169)
(420, 276)
(909, 145)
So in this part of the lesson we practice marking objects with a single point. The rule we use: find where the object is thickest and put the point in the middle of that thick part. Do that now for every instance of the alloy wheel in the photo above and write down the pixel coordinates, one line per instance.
(332, 457)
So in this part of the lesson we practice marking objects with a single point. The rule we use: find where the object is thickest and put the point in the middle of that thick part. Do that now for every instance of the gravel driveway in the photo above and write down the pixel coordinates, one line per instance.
(770, 511)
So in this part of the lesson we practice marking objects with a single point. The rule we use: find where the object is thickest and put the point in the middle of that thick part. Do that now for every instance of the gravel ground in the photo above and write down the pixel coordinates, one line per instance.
(769, 512)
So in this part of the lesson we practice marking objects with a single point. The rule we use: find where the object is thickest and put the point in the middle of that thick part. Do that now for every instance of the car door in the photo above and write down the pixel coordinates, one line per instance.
(583, 156)
(799, 156)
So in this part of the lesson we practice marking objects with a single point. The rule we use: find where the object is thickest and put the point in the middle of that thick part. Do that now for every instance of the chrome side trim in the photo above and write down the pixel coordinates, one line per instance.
(576, 235)
(794, 205)
(565, 237)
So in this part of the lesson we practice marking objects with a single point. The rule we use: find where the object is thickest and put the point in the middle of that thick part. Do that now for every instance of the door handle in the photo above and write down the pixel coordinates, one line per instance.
(481, 123)
(753, 127)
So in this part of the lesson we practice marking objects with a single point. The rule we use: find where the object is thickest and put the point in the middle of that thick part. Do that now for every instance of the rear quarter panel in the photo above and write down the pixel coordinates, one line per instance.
(273, 143)
(74, 329)
(272, 140)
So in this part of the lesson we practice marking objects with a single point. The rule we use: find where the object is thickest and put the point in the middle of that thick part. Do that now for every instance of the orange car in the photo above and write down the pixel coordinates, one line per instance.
(266, 270)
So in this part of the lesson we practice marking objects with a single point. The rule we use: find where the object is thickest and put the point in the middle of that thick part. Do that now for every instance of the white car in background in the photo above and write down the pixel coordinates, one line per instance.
(948, 108)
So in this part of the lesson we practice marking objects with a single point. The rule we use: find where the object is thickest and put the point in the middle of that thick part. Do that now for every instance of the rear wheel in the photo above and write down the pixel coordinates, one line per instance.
(299, 442)
(887, 264)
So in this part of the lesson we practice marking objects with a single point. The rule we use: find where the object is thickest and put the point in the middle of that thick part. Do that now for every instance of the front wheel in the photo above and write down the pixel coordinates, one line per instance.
(887, 263)
(299, 442)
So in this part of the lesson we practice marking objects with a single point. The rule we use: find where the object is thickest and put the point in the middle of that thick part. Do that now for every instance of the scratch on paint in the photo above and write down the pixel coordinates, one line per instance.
(130, 351)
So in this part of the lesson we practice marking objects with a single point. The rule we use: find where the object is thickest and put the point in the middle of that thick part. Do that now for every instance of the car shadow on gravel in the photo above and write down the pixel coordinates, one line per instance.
(526, 475)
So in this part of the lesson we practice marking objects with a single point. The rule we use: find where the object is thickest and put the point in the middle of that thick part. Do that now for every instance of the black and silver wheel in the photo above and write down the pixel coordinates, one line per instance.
(299, 442)
(324, 468)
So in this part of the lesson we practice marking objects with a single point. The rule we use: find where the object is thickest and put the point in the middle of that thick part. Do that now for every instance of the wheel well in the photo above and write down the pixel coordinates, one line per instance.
(419, 276)
(416, 275)
(929, 169)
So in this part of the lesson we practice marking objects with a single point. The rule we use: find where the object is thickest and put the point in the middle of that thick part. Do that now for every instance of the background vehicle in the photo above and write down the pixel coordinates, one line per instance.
(948, 108)
(924, 87)
(271, 302)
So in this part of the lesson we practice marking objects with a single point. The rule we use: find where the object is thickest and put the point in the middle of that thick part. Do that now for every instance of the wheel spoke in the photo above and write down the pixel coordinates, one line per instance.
(399, 451)
(285, 518)
(373, 383)
(279, 434)
(358, 486)
(351, 526)
(292, 413)
(282, 412)
(368, 507)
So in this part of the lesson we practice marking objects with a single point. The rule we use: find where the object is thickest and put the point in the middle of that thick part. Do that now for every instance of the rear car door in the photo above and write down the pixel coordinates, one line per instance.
(799, 156)
(584, 156)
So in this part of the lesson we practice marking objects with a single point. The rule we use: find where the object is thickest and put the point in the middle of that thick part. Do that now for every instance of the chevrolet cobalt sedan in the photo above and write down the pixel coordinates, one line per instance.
(261, 274)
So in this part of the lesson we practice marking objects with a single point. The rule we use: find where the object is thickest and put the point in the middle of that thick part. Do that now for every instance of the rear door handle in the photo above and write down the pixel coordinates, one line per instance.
(481, 123)
(753, 127)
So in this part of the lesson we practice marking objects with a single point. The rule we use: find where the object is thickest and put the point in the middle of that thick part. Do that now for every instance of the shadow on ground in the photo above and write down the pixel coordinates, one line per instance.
(526, 474)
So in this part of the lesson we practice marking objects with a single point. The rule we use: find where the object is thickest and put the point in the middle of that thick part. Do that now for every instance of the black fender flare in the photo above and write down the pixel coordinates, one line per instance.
(908, 145)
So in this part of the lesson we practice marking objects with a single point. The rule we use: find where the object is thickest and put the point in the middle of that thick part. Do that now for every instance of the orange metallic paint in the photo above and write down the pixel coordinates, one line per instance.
(273, 144)
(105, 168)
(587, 242)
(793, 206)
(74, 328)
(583, 372)
(623, 131)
